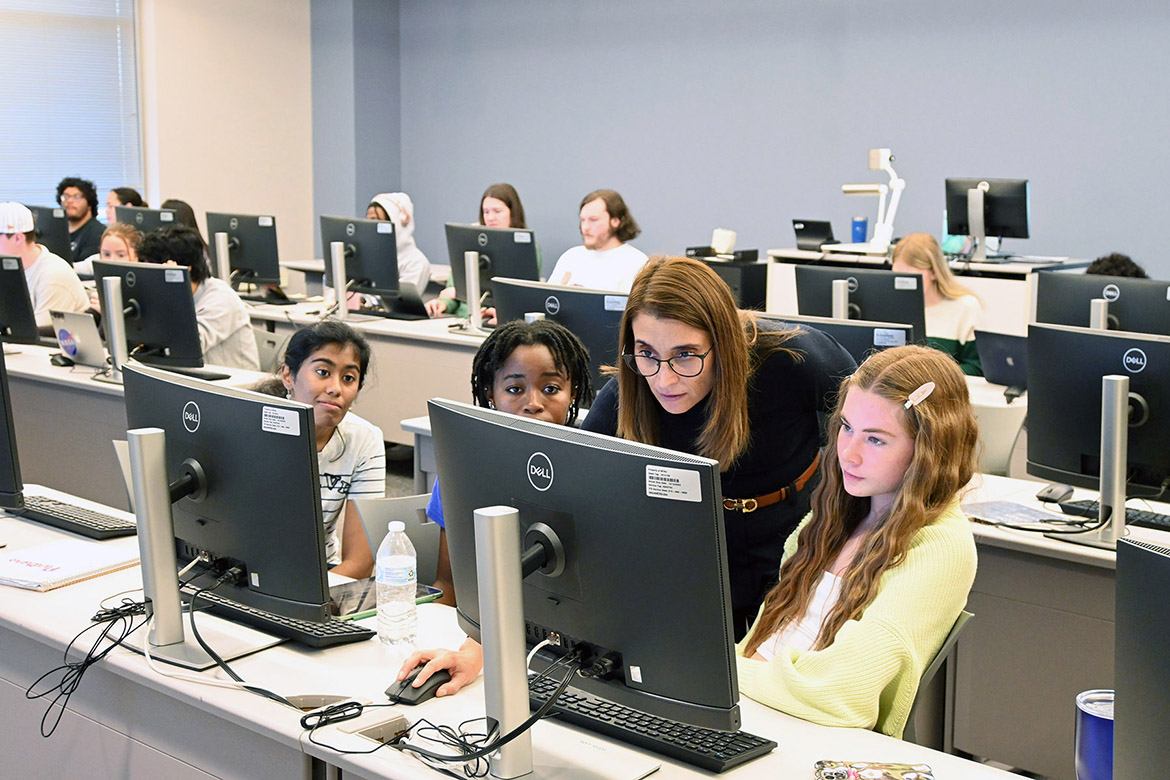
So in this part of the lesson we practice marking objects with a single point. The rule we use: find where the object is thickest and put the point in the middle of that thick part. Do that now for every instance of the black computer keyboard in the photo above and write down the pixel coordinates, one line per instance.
(307, 632)
(710, 749)
(1142, 518)
(79, 520)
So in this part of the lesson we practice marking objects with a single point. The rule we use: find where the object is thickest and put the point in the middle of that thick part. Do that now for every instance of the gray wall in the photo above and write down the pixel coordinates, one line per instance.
(747, 113)
(357, 139)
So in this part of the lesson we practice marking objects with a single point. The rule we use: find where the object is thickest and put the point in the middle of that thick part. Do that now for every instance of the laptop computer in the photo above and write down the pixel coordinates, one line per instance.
(812, 233)
(1004, 358)
(79, 338)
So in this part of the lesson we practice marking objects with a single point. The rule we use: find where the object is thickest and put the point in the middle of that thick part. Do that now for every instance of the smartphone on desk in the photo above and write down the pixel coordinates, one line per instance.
(871, 770)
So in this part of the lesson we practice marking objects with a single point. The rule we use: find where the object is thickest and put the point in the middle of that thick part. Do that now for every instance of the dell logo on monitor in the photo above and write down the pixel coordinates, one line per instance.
(540, 471)
(852, 283)
(1111, 292)
(552, 304)
(138, 218)
(191, 417)
(233, 223)
(131, 279)
(1134, 360)
(349, 229)
(481, 239)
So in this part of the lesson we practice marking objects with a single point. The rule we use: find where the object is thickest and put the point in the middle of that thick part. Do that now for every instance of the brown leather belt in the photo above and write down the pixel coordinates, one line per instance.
(746, 505)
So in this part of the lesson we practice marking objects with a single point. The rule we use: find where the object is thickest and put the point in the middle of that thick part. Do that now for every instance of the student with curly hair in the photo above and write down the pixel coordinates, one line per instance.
(79, 199)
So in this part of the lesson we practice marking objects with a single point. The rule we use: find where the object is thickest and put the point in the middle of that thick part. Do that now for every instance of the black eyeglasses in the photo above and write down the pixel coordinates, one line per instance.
(687, 364)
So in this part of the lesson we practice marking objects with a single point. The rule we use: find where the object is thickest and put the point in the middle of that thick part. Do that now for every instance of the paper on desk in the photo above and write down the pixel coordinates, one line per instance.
(64, 562)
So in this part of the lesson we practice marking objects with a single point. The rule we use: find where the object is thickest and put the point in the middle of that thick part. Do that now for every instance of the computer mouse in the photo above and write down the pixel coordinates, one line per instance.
(1055, 493)
(403, 692)
(58, 359)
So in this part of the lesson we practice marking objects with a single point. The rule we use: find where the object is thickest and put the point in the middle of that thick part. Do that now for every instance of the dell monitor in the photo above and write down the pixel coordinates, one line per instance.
(146, 220)
(1004, 210)
(1141, 664)
(1065, 368)
(252, 494)
(371, 254)
(594, 316)
(624, 593)
(53, 230)
(252, 252)
(860, 338)
(874, 294)
(1135, 305)
(18, 322)
(159, 311)
(509, 252)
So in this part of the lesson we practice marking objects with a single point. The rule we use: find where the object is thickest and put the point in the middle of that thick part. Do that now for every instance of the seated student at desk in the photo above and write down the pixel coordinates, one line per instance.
(499, 206)
(397, 207)
(953, 313)
(225, 330)
(325, 366)
(52, 282)
(700, 376)
(877, 573)
(530, 369)
(120, 243)
(604, 261)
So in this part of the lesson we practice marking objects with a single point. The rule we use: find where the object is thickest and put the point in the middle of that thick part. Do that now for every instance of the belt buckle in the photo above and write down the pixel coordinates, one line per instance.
(744, 505)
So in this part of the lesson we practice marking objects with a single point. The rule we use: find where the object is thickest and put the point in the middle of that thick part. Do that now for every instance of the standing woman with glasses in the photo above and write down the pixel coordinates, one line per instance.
(698, 375)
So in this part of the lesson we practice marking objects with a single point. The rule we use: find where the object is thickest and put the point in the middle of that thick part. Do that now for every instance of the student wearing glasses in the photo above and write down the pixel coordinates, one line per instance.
(698, 375)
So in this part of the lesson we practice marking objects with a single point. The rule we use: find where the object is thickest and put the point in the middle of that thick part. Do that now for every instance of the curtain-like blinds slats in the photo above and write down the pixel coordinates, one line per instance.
(72, 98)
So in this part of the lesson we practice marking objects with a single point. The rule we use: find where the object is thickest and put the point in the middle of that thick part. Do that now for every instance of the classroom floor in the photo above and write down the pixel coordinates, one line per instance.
(399, 470)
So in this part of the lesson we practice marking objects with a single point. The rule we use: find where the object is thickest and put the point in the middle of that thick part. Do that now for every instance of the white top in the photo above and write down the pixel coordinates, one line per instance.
(225, 330)
(53, 285)
(954, 318)
(352, 465)
(613, 269)
(801, 634)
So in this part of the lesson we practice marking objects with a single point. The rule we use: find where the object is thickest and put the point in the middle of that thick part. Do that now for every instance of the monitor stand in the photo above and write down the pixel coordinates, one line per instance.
(1114, 460)
(160, 584)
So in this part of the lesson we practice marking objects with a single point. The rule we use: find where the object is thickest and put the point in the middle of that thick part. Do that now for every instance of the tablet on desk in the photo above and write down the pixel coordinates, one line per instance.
(358, 599)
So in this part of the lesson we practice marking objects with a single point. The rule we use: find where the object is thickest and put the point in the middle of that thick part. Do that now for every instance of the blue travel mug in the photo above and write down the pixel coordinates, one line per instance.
(1094, 735)
(860, 229)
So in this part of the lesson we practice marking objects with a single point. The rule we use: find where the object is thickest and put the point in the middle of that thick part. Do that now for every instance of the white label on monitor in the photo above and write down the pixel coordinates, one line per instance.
(172, 275)
(254, 578)
(889, 337)
(264, 221)
(636, 673)
(673, 484)
(522, 238)
(166, 216)
(385, 227)
(615, 302)
(275, 420)
(58, 212)
(11, 264)
(906, 282)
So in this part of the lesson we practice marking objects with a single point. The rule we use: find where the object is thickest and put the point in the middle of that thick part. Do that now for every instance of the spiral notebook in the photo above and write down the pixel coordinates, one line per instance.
(65, 561)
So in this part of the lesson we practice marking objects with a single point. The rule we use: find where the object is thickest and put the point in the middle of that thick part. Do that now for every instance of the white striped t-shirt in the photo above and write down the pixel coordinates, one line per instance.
(352, 465)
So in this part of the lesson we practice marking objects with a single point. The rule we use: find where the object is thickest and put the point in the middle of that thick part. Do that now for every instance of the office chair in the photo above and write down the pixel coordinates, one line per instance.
(376, 513)
(929, 696)
(271, 348)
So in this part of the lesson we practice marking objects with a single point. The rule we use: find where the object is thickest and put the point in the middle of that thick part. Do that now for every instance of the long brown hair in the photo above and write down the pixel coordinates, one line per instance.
(945, 437)
(678, 288)
(507, 194)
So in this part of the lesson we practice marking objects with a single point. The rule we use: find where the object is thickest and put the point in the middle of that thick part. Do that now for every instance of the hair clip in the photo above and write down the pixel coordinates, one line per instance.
(919, 395)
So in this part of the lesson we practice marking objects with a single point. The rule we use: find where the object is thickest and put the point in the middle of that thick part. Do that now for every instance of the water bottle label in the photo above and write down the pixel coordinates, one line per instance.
(397, 573)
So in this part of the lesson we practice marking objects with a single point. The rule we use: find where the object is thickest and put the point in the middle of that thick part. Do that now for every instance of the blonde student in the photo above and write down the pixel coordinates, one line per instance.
(876, 574)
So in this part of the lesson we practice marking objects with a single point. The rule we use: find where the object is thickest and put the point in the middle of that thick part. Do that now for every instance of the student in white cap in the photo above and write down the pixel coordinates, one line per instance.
(52, 283)
(413, 266)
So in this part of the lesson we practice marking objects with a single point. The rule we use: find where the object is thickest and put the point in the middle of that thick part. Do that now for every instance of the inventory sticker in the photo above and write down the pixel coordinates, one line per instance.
(673, 484)
(615, 302)
(276, 420)
(905, 282)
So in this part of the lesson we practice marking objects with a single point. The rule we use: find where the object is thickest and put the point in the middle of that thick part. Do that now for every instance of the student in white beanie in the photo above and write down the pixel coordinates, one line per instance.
(413, 266)
(52, 283)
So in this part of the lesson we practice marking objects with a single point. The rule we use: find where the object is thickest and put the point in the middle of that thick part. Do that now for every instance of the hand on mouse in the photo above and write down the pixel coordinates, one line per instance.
(464, 665)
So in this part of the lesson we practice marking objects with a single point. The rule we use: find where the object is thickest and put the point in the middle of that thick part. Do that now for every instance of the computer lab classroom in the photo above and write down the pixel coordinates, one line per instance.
(714, 121)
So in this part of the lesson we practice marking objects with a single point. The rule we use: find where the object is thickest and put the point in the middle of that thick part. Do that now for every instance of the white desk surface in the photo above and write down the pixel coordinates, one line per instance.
(1018, 267)
(365, 669)
(443, 330)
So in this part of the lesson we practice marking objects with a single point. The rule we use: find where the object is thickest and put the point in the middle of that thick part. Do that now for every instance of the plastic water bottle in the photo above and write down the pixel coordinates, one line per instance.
(397, 584)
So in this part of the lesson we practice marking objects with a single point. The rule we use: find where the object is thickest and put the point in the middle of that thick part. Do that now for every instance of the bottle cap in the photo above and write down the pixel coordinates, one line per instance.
(396, 525)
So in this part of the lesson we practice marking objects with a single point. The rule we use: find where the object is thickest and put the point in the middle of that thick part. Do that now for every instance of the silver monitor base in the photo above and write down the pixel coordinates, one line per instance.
(230, 640)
